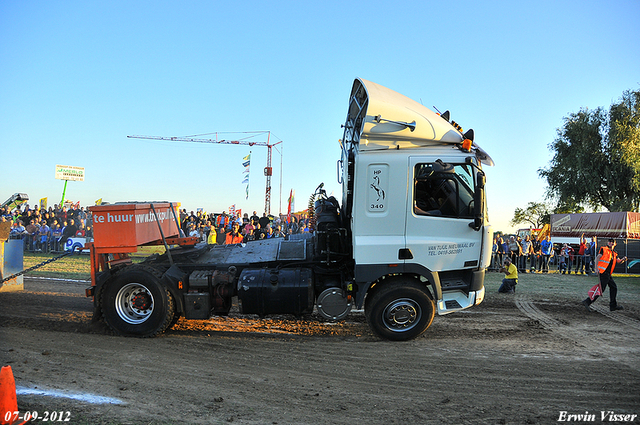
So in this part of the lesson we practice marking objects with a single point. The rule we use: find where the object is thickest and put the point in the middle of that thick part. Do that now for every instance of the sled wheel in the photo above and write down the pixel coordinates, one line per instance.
(135, 303)
(400, 311)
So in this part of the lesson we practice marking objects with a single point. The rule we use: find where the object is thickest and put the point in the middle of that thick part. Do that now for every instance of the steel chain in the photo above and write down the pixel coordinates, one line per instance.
(37, 266)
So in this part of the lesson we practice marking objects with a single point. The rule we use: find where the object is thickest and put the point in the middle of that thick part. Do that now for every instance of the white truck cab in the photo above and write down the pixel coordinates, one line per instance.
(413, 193)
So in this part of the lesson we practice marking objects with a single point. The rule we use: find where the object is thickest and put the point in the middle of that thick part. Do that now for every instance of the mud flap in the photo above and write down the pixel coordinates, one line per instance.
(173, 280)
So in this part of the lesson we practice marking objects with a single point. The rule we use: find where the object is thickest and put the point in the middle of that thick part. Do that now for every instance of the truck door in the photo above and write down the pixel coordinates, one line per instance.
(440, 208)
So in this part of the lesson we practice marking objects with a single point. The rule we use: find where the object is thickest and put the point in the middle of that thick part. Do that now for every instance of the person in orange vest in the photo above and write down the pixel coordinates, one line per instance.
(234, 235)
(222, 220)
(606, 261)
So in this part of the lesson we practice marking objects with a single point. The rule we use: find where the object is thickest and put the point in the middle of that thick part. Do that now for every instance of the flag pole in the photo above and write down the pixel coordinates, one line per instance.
(63, 193)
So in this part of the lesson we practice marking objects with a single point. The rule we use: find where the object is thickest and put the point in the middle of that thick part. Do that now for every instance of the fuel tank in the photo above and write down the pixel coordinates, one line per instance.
(276, 291)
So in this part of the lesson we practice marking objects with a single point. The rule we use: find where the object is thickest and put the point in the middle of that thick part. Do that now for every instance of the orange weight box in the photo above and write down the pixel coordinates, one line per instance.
(125, 226)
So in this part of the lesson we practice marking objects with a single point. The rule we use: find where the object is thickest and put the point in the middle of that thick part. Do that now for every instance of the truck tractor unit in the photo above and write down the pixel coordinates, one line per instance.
(409, 238)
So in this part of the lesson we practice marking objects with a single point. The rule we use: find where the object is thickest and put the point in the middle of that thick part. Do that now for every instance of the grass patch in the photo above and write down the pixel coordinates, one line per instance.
(77, 266)
(566, 286)
(70, 267)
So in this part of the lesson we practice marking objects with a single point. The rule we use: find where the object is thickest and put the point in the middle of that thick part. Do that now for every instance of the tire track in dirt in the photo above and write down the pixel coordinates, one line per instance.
(621, 346)
(628, 321)
(533, 312)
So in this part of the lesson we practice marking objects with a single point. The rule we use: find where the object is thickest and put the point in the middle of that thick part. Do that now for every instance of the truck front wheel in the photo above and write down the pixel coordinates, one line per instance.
(135, 303)
(400, 311)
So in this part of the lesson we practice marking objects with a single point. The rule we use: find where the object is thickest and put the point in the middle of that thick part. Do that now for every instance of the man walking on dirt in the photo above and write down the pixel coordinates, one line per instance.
(605, 263)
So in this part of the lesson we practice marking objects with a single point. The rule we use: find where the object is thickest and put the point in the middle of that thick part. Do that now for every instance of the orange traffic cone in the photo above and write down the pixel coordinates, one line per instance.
(8, 400)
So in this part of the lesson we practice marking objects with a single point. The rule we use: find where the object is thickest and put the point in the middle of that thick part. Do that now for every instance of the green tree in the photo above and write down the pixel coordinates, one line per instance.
(596, 159)
(536, 214)
(568, 209)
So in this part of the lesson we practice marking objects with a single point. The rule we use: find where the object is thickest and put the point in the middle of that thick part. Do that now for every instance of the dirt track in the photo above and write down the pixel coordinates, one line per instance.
(512, 360)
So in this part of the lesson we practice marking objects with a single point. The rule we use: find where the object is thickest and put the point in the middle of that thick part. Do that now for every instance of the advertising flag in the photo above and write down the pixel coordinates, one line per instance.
(292, 200)
(245, 180)
(289, 207)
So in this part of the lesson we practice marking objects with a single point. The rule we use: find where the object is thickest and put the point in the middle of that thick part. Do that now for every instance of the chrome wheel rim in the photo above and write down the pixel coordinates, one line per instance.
(134, 303)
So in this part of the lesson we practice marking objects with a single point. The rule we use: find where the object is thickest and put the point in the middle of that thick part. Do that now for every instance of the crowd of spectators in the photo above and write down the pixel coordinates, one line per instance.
(48, 230)
(531, 255)
(231, 228)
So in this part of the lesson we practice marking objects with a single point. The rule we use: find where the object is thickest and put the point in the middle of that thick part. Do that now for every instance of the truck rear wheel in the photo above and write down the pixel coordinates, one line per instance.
(400, 311)
(135, 303)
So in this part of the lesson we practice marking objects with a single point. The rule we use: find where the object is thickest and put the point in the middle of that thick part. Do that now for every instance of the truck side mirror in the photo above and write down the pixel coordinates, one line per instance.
(481, 179)
(478, 202)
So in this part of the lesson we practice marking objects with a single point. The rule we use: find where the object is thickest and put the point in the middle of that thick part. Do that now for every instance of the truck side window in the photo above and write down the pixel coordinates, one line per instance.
(444, 190)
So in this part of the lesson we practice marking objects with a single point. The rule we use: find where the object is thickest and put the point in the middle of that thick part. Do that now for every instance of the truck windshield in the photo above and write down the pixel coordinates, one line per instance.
(445, 190)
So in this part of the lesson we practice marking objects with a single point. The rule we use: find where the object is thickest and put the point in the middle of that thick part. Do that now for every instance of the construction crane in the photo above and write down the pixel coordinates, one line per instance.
(268, 171)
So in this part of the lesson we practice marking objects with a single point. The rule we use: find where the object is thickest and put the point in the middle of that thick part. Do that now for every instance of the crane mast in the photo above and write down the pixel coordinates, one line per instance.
(268, 171)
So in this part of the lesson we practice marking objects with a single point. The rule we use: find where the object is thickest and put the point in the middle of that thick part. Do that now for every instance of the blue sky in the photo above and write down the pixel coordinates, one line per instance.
(77, 77)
